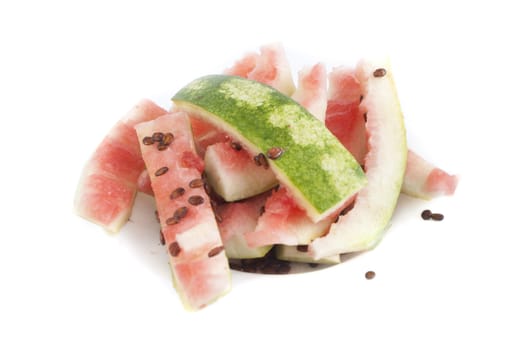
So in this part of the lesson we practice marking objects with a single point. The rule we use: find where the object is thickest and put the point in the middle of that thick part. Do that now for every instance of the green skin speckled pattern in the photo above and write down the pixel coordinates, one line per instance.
(315, 166)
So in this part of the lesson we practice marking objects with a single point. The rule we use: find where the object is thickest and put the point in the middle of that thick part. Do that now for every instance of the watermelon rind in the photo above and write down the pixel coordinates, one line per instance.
(291, 253)
(363, 226)
(320, 173)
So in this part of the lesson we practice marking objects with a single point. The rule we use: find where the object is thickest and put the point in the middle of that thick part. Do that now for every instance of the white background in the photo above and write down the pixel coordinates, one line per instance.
(70, 69)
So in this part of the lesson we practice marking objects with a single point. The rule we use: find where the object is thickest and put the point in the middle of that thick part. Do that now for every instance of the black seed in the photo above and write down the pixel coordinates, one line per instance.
(236, 146)
(157, 215)
(361, 98)
(195, 200)
(172, 221)
(274, 153)
(380, 72)
(161, 171)
(215, 251)
(167, 139)
(262, 210)
(196, 183)
(370, 275)
(162, 238)
(180, 213)
(174, 249)
(261, 160)
(147, 140)
(365, 116)
(178, 192)
(302, 248)
(162, 147)
(426, 214)
(347, 209)
(436, 216)
(157, 136)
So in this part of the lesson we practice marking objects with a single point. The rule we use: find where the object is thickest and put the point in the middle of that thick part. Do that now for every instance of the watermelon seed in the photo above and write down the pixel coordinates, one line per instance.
(261, 160)
(262, 210)
(426, 214)
(180, 213)
(215, 251)
(174, 249)
(157, 137)
(162, 238)
(172, 221)
(274, 153)
(167, 139)
(361, 98)
(162, 146)
(365, 116)
(147, 140)
(302, 248)
(157, 215)
(161, 171)
(196, 183)
(380, 72)
(347, 209)
(195, 200)
(436, 216)
(236, 146)
(178, 192)
(370, 275)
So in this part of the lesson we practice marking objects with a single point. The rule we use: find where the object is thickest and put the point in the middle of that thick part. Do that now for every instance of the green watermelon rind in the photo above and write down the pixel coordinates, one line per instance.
(315, 166)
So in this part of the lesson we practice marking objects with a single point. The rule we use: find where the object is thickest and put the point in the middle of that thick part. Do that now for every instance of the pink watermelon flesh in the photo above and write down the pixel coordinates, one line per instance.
(199, 266)
(284, 222)
(108, 184)
(235, 220)
(344, 117)
(311, 92)
(425, 180)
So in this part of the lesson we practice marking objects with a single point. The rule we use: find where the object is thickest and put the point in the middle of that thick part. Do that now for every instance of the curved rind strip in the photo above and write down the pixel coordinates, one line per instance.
(362, 227)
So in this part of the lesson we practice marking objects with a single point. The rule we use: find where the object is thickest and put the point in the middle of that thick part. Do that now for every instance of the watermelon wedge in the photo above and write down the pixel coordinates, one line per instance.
(270, 67)
(311, 92)
(424, 180)
(344, 118)
(199, 266)
(235, 220)
(108, 183)
(362, 227)
(284, 222)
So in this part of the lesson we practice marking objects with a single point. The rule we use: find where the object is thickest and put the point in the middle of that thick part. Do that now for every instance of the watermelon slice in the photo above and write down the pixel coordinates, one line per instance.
(344, 118)
(233, 174)
(108, 184)
(270, 67)
(284, 222)
(425, 180)
(362, 227)
(235, 220)
(196, 253)
(311, 92)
